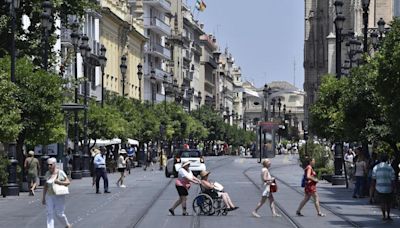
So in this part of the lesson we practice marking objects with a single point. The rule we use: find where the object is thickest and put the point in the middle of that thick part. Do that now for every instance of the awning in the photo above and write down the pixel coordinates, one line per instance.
(247, 91)
(133, 142)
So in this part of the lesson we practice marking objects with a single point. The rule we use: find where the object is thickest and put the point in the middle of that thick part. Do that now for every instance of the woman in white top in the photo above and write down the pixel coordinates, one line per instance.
(182, 184)
(55, 204)
(360, 174)
(267, 181)
(121, 164)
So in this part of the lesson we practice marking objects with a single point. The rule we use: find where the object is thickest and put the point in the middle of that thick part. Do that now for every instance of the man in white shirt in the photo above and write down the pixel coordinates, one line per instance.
(101, 171)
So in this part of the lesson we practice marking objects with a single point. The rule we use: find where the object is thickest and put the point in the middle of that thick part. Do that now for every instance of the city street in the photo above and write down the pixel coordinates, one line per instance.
(149, 194)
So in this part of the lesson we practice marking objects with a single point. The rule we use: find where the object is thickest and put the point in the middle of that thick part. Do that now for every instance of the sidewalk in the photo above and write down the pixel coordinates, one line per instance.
(335, 198)
(85, 208)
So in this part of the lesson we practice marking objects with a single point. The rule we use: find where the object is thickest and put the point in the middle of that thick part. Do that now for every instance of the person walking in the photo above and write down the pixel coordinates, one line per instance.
(32, 166)
(99, 162)
(55, 204)
(121, 164)
(384, 180)
(267, 180)
(182, 184)
(360, 173)
(310, 189)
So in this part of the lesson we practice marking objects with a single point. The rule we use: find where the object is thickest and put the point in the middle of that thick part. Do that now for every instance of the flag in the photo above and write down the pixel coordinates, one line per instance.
(200, 5)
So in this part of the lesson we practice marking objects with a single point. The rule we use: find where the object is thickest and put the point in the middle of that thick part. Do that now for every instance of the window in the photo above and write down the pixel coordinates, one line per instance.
(293, 98)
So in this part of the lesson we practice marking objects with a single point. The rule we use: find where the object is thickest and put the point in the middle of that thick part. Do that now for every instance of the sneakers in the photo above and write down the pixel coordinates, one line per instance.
(171, 211)
(107, 192)
(122, 186)
(255, 214)
(299, 214)
(321, 214)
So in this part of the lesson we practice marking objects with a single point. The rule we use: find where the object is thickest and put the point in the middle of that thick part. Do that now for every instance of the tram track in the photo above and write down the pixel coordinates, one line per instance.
(195, 221)
(285, 214)
(334, 212)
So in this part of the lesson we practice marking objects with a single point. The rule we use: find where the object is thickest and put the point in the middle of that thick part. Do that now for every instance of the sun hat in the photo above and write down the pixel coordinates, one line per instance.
(186, 164)
(204, 173)
(31, 153)
(122, 151)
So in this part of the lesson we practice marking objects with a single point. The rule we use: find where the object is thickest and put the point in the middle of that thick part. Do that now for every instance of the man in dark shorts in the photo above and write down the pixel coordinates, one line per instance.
(384, 180)
(32, 166)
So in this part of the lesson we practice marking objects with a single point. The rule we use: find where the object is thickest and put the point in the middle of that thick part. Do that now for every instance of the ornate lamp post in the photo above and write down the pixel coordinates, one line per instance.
(76, 172)
(279, 107)
(273, 101)
(12, 188)
(86, 53)
(199, 98)
(123, 69)
(153, 81)
(140, 75)
(365, 6)
(14, 4)
(103, 62)
(339, 20)
(47, 23)
(266, 92)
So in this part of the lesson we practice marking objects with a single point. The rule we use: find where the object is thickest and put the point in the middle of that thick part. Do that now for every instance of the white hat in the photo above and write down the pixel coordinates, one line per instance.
(31, 153)
(186, 164)
(122, 151)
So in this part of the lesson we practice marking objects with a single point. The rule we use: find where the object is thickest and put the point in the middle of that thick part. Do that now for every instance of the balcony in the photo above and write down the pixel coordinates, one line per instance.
(196, 48)
(187, 55)
(157, 26)
(162, 5)
(158, 50)
(207, 58)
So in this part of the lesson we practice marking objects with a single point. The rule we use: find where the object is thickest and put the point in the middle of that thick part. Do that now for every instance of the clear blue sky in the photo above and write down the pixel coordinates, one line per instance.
(265, 36)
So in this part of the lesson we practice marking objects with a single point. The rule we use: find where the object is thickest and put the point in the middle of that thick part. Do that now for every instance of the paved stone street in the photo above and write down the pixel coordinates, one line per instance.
(149, 194)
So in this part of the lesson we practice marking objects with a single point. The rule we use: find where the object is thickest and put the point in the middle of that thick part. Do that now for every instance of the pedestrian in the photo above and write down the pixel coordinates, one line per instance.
(210, 189)
(310, 189)
(267, 180)
(384, 181)
(149, 159)
(121, 164)
(32, 166)
(55, 204)
(360, 173)
(99, 162)
(182, 184)
(372, 162)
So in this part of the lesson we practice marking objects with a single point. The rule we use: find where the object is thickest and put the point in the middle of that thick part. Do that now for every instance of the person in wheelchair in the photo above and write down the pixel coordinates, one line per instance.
(210, 189)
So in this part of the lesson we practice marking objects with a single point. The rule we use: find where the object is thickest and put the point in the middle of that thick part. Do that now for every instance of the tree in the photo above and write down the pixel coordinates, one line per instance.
(40, 97)
(326, 113)
(29, 39)
(9, 108)
(388, 82)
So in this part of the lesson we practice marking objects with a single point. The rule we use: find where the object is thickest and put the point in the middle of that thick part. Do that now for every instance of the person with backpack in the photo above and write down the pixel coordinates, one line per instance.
(310, 188)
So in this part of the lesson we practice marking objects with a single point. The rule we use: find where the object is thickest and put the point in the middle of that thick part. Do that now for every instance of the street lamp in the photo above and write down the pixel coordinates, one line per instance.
(12, 188)
(273, 101)
(47, 23)
(266, 92)
(365, 6)
(339, 20)
(103, 62)
(123, 69)
(279, 107)
(86, 54)
(76, 172)
(153, 81)
(14, 4)
(166, 87)
(140, 75)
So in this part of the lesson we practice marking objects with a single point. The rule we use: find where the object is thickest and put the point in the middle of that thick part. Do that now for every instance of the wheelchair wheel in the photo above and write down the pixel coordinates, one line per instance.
(203, 205)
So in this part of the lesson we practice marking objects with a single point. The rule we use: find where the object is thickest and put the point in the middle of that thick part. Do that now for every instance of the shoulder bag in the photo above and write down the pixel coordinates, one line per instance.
(273, 187)
(60, 190)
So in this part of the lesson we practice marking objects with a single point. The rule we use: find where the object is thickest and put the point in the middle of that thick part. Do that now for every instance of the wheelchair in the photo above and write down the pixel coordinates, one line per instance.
(208, 203)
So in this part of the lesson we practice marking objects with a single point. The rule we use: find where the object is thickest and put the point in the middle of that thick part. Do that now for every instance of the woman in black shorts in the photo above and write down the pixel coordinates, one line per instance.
(182, 184)
(121, 164)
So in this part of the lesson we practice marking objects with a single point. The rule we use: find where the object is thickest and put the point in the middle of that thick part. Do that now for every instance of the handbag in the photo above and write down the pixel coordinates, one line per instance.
(273, 187)
(303, 181)
(60, 190)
